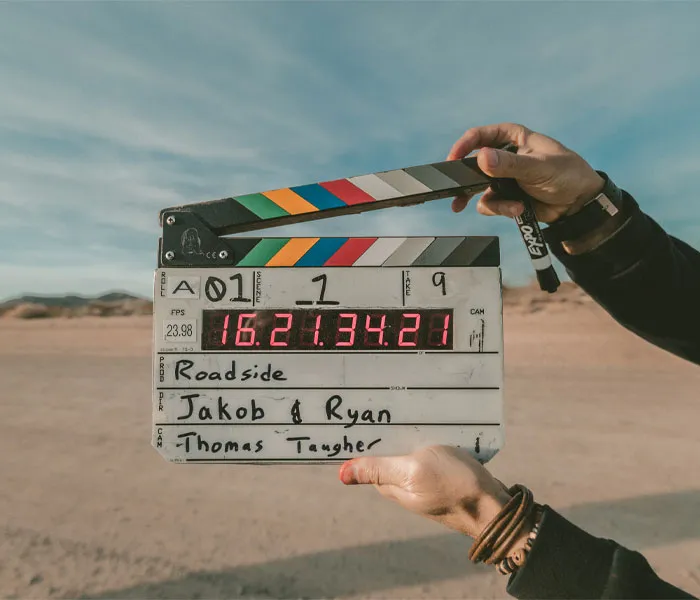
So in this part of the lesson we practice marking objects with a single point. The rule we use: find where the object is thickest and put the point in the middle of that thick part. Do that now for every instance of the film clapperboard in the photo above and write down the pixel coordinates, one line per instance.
(315, 350)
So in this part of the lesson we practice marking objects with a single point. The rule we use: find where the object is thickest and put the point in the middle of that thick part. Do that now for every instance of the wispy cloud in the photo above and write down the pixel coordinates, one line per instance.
(111, 111)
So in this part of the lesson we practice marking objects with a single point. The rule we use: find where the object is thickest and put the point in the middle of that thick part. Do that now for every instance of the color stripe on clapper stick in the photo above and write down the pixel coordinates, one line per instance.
(378, 252)
(263, 251)
(407, 252)
(291, 252)
(480, 251)
(320, 252)
(350, 252)
(361, 189)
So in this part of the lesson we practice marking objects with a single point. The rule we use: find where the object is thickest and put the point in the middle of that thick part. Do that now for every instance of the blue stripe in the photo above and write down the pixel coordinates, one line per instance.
(320, 252)
(319, 196)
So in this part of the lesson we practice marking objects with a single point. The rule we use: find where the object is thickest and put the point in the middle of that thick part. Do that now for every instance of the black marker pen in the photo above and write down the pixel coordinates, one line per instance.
(529, 230)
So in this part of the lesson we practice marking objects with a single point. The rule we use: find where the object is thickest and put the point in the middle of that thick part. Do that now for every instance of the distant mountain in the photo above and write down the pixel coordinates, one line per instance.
(526, 299)
(70, 301)
(112, 304)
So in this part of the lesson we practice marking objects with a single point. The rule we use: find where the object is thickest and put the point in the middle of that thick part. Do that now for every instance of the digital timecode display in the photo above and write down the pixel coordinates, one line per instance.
(337, 329)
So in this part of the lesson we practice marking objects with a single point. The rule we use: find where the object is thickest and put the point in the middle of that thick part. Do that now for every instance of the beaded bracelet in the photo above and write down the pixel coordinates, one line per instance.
(510, 564)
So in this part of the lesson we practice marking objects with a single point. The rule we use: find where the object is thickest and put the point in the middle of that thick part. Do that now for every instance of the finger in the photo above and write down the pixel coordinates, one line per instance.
(500, 163)
(375, 470)
(484, 205)
(460, 202)
(488, 135)
(398, 494)
(493, 205)
(484, 209)
(391, 492)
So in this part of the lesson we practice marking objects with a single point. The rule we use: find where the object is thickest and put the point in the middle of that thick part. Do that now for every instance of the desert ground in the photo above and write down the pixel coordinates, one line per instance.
(600, 425)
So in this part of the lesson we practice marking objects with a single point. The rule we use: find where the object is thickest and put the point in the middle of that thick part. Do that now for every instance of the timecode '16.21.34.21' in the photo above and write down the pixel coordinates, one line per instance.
(331, 329)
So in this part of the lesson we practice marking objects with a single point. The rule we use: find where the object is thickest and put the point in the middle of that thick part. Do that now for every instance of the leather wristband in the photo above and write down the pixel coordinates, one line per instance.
(591, 216)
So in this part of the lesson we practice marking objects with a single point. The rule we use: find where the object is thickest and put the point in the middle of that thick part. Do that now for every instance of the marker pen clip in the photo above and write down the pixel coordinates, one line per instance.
(530, 231)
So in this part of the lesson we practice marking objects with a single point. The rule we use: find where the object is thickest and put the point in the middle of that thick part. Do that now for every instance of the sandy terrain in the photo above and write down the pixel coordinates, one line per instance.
(600, 425)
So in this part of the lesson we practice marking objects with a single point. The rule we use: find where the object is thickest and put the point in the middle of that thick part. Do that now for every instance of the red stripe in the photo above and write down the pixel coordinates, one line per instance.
(349, 252)
(346, 191)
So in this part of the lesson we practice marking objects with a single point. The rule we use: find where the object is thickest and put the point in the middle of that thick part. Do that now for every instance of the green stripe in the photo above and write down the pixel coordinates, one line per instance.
(263, 251)
(262, 206)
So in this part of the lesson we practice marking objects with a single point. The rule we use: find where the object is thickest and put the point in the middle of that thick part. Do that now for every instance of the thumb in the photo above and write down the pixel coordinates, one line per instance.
(500, 163)
(376, 470)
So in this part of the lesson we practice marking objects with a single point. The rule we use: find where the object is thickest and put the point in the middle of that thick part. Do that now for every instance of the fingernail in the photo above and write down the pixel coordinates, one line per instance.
(346, 474)
(492, 158)
(513, 210)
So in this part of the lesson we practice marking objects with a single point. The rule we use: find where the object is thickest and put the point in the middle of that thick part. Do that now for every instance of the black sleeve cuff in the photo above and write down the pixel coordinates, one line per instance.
(565, 562)
(627, 247)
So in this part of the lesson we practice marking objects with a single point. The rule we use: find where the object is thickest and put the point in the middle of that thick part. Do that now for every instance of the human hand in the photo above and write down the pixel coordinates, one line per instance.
(442, 483)
(558, 179)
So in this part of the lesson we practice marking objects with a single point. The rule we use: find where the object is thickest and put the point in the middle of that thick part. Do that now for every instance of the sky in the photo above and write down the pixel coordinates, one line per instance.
(111, 111)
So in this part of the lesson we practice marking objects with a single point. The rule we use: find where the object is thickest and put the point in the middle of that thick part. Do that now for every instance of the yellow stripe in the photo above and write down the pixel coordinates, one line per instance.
(291, 252)
(290, 201)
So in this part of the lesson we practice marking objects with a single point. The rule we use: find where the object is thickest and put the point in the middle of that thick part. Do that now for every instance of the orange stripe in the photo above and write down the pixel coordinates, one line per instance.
(291, 252)
(290, 201)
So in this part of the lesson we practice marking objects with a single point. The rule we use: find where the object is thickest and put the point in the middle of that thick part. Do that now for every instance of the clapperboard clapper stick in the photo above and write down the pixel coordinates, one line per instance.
(278, 350)
(401, 187)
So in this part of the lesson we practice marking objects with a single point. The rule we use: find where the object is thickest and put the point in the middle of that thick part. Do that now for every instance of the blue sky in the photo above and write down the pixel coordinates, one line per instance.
(111, 111)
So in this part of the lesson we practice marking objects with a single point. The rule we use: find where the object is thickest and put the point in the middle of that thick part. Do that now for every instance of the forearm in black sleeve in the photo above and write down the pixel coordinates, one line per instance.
(647, 280)
(566, 562)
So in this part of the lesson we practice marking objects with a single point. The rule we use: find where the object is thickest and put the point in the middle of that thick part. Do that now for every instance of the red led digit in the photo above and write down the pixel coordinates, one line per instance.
(284, 330)
(224, 335)
(245, 319)
(316, 330)
(350, 330)
(409, 330)
(380, 330)
(442, 329)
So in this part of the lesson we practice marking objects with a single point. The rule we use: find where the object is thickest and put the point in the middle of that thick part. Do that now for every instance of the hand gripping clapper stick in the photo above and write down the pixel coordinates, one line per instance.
(313, 350)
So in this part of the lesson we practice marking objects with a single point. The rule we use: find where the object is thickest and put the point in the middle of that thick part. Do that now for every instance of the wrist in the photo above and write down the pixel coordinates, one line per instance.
(489, 507)
(590, 190)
